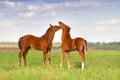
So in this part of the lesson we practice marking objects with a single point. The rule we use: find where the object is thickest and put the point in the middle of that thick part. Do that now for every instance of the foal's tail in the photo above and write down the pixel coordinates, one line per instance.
(19, 43)
(85, 45)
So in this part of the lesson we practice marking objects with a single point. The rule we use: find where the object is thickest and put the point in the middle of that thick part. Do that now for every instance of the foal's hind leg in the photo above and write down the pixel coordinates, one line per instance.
(19, 60)
(20, 55)
(24, 56)
(82, 55)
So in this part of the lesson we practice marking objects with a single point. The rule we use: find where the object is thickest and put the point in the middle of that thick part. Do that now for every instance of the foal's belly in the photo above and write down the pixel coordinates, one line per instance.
(70, 48)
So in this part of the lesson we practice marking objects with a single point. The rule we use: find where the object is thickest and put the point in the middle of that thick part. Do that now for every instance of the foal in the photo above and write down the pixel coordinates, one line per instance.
(43, 43)
(69, 44)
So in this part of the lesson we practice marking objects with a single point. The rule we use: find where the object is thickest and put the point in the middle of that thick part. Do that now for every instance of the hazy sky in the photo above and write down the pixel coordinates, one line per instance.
(94, 20)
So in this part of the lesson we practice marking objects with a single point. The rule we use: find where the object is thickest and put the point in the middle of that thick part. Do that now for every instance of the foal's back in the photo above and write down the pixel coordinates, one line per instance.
(32, 41)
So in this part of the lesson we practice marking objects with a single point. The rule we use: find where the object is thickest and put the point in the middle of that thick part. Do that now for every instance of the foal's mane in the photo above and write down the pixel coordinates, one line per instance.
(46, 31)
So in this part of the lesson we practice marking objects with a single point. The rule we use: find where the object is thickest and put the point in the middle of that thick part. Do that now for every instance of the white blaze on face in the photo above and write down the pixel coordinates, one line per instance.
(83, 65)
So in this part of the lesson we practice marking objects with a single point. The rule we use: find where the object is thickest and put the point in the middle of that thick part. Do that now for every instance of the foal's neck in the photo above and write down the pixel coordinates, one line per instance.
(65, 35)
(49, 36)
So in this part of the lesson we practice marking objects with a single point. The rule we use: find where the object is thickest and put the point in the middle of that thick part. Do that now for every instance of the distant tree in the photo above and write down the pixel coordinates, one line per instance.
(104, 45)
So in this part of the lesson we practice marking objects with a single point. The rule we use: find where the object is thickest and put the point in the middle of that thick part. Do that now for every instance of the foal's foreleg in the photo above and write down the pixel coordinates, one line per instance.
(68, 59)
(62, 58)
(44, 58)
(49, 57)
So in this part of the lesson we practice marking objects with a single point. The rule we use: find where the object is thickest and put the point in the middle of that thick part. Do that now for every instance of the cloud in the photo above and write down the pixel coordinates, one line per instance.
(86, 4)
(101, 29)
(79, 4)
(52, 1)
(29, 9)
(10, 4)
(52, 13)
(33, 7)
(8, 23)
(27, 14)
(113, 21)
(104, 25)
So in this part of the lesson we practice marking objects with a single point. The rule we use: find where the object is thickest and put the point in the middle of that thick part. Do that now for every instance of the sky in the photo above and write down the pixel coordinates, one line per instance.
(94, 20)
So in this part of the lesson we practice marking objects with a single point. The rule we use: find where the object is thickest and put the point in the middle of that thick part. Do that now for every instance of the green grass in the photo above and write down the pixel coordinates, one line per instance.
(100, 65)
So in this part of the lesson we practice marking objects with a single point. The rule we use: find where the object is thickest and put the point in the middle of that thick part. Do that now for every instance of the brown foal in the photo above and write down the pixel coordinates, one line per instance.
(43, 43)
(69, 44)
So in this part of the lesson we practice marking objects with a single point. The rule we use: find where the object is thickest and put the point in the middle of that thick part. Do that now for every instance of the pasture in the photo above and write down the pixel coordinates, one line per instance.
(100, 65)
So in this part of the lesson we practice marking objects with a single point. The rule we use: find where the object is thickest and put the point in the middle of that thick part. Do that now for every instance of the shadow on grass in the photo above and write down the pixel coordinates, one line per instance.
(77, 64)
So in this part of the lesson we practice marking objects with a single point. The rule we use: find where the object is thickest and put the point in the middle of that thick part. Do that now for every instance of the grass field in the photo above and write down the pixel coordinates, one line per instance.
(100, 65)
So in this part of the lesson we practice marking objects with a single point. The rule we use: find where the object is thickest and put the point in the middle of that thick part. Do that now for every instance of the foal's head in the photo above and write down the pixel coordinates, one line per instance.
(64, 26)
(54, 28)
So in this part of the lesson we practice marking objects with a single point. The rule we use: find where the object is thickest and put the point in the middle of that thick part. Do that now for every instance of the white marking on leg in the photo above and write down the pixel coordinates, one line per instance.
(82, 65)
(68, 65)
(61, 65)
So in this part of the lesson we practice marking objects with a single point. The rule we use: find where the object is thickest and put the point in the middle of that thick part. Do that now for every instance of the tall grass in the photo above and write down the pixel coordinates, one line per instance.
(100, 65)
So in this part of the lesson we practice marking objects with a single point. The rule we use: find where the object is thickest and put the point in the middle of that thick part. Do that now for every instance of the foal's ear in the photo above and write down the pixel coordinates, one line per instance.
(51, 25)
(69, 28)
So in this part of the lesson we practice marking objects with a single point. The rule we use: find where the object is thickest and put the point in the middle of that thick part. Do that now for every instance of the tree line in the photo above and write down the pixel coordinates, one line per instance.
(104, 45)
(96, 45)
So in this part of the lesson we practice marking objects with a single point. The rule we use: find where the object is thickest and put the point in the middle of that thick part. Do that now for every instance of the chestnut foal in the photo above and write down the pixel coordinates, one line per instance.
(43, 43)
(69, 44)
